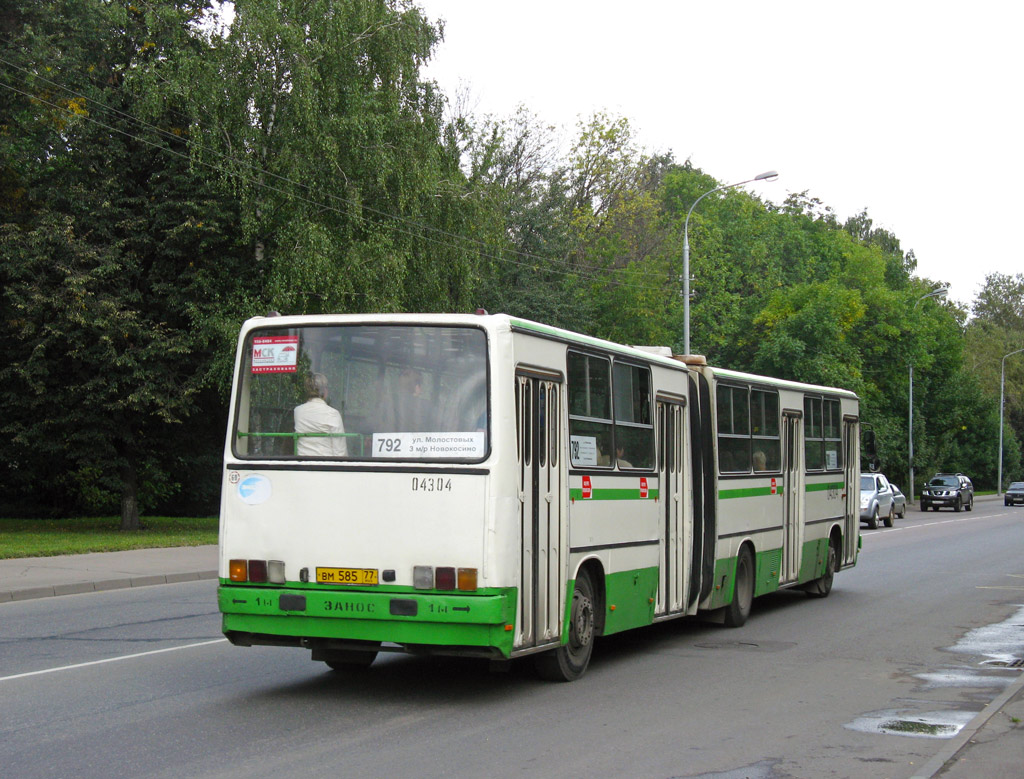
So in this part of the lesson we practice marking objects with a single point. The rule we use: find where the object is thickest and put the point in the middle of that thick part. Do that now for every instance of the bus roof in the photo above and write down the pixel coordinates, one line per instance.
(725, 373)
(505, 322)
(495, 322)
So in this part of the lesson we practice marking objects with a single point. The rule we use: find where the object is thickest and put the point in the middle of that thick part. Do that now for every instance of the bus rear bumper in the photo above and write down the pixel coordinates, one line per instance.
(461, 624)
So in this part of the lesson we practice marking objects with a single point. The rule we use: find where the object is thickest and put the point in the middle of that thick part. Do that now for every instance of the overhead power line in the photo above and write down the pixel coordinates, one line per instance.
(402, 224)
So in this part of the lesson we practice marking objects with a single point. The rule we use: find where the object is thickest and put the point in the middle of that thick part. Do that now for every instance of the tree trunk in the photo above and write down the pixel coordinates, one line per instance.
(129, 498)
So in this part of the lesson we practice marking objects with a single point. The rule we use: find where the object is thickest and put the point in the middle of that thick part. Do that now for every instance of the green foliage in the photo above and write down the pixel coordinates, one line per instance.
(316, 117)
(162, 180)
(111, 281)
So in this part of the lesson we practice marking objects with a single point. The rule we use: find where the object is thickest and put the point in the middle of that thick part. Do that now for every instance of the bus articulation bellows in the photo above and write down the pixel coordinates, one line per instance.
(489, 486)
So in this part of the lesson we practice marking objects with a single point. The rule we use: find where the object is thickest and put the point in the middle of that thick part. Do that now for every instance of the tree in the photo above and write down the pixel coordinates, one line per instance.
(350, 190)
(113, 276)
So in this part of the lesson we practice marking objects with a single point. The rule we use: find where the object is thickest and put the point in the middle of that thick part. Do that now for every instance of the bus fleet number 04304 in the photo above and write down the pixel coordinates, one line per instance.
(431, 484)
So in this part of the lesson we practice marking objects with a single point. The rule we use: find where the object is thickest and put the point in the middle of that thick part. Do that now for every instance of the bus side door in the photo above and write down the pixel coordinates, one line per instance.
(543, 534)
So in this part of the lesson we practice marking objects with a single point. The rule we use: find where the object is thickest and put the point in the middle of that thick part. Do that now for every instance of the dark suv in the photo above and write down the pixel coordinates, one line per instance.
(953, 490)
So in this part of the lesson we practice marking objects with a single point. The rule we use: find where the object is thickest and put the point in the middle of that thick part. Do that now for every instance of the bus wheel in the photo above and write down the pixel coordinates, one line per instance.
(568, 662)
(736, 613)
(821, 587)
(351, 659)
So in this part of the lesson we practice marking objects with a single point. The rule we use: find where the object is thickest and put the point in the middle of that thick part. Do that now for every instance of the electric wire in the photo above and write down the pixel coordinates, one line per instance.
(418, 229)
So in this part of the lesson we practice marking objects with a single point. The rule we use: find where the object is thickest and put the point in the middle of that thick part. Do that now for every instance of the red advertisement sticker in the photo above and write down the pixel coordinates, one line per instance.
(275, 354)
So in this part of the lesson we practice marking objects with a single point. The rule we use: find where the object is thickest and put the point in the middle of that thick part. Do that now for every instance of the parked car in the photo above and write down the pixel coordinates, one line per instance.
(1014, 494)
(899, 501)
(952, 490)
(876, 500)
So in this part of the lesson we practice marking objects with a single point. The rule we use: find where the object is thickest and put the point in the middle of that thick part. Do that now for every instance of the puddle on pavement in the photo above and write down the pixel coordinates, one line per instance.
(965, 678)
(931, 724)
(1003, 641)
(1003, 646)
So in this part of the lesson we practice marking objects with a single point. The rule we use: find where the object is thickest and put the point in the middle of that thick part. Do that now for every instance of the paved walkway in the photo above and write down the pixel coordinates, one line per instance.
(40, 577)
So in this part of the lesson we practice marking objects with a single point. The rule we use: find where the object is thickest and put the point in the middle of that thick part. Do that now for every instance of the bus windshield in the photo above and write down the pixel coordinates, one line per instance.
(363, 392)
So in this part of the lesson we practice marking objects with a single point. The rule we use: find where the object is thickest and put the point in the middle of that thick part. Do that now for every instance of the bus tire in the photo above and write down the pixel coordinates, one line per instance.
(738, 610)
(822, 586)
(351, 659)
(569, 662)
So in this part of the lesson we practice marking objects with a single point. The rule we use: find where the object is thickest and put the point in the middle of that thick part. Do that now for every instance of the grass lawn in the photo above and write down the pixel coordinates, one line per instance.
(49, 537)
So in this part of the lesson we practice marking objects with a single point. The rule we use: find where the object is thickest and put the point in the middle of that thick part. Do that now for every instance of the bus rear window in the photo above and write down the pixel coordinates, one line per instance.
(363, 392)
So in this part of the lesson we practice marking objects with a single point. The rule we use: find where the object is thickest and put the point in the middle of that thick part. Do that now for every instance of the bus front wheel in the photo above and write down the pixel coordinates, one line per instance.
(738, 610)
(569, 661)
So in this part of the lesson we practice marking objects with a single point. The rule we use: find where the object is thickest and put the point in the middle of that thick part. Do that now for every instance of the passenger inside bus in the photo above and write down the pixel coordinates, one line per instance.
(319, 426)
(620, 460)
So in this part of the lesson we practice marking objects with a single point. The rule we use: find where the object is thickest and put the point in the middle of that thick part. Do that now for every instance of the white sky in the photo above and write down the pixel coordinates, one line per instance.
(909, 109)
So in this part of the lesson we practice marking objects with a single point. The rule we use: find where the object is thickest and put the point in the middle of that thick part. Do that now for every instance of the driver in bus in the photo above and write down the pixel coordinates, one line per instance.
(319, 419)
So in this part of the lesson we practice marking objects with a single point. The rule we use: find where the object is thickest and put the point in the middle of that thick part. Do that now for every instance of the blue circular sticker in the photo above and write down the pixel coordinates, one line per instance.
(254, 489)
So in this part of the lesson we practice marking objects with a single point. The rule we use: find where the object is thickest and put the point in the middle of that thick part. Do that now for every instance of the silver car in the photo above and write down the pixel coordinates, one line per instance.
(877, 500)
(899, 501)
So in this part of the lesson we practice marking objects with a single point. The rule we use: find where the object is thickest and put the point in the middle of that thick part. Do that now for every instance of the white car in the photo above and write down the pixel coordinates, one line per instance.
(877, 499)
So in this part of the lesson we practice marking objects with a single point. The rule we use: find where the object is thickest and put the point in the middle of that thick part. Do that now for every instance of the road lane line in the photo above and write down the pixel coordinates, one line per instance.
(890, 530)
(110, 660)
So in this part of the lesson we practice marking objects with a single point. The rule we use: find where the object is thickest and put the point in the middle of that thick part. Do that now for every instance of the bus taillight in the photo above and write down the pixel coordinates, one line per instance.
(467, 579)
(426, 577)
(444, 578)
(258, 571)
(239, 570)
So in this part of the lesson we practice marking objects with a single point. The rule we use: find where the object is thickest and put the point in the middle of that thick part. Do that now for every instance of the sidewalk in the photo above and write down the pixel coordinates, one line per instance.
(41, 577)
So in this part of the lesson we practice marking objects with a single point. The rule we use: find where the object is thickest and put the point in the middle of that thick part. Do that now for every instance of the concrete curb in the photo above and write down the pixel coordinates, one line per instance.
(77, 588)
(969, 731)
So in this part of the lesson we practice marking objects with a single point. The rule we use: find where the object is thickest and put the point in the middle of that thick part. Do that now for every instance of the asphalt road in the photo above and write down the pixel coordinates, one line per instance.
(866, 683)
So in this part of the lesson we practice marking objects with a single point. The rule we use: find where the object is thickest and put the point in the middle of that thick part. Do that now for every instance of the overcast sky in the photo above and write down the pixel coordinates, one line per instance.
(908, 109)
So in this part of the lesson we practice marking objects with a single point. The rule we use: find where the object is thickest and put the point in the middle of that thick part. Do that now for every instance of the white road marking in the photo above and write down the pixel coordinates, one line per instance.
(110, 660)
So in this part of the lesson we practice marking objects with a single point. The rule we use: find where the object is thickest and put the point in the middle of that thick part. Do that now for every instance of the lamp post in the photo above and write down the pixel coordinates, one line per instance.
(770, 175)
(1002, 381)
(938, 292)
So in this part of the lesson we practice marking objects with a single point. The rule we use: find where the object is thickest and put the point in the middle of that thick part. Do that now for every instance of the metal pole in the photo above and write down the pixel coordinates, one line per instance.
(686, 284)
(1002, 382)
(1002, 379)
(939, 292)
(770, 175)
(910, 437)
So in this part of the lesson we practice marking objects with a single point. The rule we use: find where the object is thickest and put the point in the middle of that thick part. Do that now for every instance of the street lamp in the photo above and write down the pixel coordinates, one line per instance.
(1002, 380)
(938, 292)
(770, 175)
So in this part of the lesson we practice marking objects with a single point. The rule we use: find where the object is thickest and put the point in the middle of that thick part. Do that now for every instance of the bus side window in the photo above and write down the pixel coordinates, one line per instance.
(733, 407)
(590, 423)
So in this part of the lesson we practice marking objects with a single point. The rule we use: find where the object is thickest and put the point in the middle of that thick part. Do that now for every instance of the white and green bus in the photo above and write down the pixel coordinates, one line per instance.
(489, 486)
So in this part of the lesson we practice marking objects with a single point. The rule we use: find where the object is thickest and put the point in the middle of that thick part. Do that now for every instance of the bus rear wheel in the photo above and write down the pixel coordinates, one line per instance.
(736, 613)
(569, 662)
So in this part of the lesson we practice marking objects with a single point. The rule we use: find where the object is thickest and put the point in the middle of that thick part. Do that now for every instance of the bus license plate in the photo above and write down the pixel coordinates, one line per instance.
(346, 575)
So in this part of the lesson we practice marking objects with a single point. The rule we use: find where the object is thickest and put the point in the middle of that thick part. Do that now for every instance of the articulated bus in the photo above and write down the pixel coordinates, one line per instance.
(488, 486)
